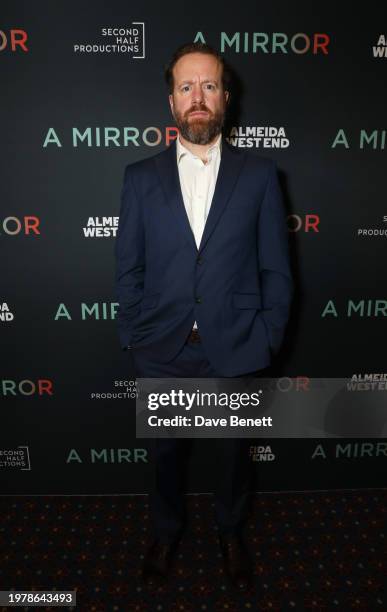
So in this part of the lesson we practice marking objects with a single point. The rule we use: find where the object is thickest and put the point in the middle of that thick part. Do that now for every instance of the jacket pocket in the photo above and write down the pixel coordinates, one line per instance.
(247, 300)
(150, 300)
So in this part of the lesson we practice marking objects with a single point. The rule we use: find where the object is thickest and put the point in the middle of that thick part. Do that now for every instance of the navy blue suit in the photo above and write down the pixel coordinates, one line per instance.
(237, 286)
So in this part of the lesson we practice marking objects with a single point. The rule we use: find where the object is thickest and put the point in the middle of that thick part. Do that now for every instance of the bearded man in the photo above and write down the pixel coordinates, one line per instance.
(203, 284)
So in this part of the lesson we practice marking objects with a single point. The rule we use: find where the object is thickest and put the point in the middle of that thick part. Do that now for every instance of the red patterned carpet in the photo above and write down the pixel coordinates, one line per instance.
(311, 551)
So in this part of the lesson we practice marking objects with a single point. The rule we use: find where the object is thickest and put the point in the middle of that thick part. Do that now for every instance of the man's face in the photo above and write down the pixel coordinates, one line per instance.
(198, 102)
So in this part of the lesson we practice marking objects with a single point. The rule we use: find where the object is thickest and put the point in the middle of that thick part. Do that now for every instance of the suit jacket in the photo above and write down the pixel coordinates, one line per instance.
(237, 285)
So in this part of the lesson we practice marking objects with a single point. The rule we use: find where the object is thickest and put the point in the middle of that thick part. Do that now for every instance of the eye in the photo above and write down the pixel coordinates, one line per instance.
(210, 85)
(185, 88)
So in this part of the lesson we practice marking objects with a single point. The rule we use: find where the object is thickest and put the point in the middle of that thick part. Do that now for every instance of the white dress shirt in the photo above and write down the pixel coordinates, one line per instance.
(197, 182)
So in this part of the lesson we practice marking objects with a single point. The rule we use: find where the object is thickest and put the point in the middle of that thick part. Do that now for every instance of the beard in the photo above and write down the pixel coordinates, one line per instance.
(200, 130)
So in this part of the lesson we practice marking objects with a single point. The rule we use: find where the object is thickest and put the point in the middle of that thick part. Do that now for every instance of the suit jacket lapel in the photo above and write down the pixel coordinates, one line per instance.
(231, 162)
(230, 166)
(166, 164)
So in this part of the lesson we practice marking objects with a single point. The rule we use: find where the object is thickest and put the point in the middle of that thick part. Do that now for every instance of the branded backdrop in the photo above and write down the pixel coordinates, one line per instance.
(82, 96)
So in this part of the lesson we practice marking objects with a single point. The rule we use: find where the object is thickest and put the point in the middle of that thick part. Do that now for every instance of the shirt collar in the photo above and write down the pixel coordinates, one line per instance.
(181, 150)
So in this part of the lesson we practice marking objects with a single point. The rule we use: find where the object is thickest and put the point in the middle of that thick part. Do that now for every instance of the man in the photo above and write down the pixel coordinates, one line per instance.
(203, 284)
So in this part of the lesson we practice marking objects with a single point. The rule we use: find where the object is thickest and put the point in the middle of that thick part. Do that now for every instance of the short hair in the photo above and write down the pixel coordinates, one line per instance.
(197, 47)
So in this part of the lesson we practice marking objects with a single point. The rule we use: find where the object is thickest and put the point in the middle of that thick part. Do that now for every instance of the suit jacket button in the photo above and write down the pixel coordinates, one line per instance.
(199, 260)
(198, 300)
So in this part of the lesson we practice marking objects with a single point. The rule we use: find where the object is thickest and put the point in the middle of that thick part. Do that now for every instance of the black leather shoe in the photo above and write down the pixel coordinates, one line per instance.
(237, 562)
(158, 561)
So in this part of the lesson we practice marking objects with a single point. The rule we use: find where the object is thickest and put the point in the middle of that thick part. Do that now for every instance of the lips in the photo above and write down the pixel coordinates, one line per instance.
(198, 114)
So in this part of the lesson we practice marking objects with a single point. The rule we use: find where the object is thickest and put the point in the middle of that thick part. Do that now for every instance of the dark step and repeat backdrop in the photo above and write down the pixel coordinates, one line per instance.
(82, 96)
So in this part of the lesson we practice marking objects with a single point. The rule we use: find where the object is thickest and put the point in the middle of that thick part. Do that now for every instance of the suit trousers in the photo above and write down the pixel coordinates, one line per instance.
(229, 456)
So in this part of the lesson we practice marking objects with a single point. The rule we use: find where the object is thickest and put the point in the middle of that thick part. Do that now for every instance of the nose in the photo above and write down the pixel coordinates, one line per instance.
(197, 93)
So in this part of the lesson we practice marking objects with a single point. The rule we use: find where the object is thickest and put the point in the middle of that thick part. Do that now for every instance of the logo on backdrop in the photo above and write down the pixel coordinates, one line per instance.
(121, 39)
(123, 389)
(5, 314)
(259, 137)
(364, 140)
(28, 226)
(352, 450)
(306, 223)
(374, 232)
(17, 458)
(13, 40)
(100, 311)
(356, 308)
(380, 49)
(13, 388)
(271, 42)
(368, 382)
(105, 137)
(261, 453)
(101, 227)
(108, 455)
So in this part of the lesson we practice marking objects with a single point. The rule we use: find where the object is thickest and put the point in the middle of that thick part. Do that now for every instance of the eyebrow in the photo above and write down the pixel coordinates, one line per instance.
(205, 81)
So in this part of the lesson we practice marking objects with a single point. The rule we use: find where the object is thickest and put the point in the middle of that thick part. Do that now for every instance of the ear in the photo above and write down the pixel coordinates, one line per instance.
(227, 95)
(170, 98)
